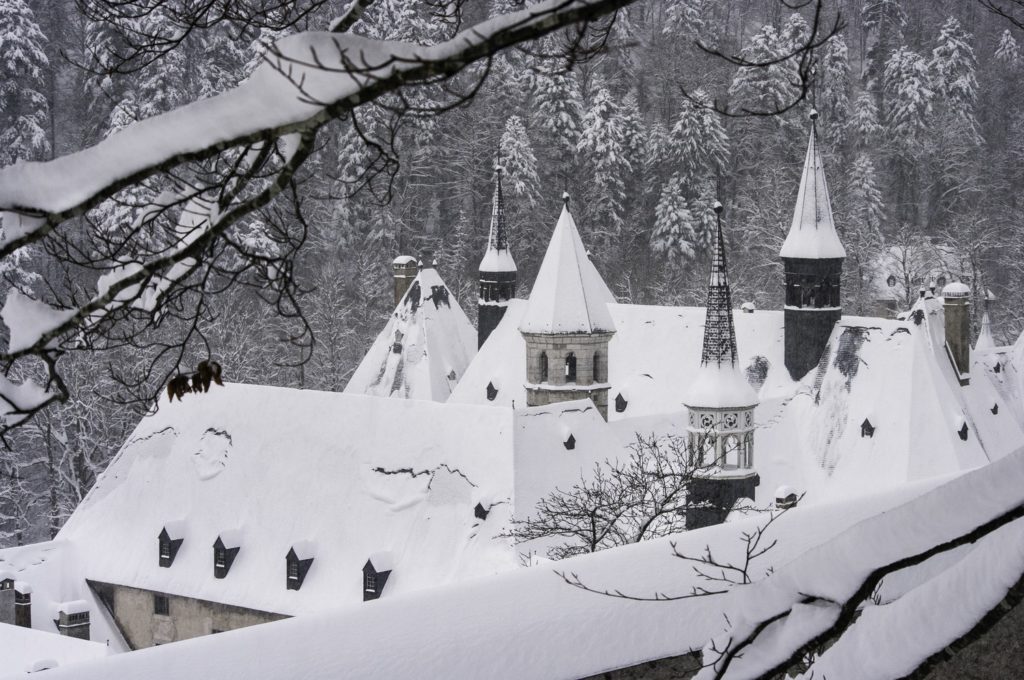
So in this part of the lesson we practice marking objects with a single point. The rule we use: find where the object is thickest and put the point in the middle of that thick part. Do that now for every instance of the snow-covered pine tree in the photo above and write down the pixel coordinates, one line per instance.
(698, 144)
(518, 161)
(865, 198)
(863, 124)
(557, 112)
(834, 100)
(674, 233)
(953, 67)
(909, 97)
(23, 106)
(883, 21)
(764, 89)
(602, 144)
(1008, 51)
(687, 18)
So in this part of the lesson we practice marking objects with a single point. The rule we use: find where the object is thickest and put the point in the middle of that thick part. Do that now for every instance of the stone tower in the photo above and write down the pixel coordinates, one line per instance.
(567, 324)
(721, 406)
(498, 271)
(812, 258)
(956, 306)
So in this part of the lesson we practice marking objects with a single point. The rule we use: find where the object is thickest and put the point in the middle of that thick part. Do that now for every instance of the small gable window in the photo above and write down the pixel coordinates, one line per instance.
(620, 403)
(570, 368)
(480, 512)
(940, 282)
(297, 563)
(376, 572)
(543, 367)
(997, 368)
(225, 549)
(995, 409)
(492, 391)
(963, 432)
(570, 442)
(891, 281)
(169, 542)
(867, 429)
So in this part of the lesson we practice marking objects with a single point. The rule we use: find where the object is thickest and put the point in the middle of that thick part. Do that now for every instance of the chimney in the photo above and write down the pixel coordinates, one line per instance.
(73, 619)
(404, 270)
(22, 604)
(956, 304)
(427, 260)
(6, 599)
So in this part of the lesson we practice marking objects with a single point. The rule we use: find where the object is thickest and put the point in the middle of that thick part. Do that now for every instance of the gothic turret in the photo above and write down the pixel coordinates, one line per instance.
(567, 325)
(721, 406)
(812, 257)
(497, 270)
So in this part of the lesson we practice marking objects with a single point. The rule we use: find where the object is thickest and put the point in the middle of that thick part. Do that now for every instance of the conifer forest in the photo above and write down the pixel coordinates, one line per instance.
(920, 118)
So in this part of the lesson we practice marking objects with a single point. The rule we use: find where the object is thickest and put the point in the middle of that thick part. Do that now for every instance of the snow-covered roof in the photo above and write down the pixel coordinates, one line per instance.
(719, 386)
(23, 650)
(812, 234)
(274, 468)
(450, 631)
(424, 347)
(985, 340)
(569, 295)
(956, 289)
(808, 433)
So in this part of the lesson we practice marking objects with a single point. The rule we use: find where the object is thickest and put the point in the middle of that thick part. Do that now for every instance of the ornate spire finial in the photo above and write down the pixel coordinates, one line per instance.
(498, 238)
(719, 333)
(565, 199)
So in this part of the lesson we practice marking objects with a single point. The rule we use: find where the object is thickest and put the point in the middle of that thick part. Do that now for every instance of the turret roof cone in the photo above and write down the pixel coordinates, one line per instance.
(720, 383)
(498, 257)
(985, 340)
(812, 234)
(569, 295)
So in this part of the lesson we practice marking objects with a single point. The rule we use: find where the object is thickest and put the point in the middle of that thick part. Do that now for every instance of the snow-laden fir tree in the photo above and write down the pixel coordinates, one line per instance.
(556, 113)
(864, 196)
(764, 89)
(688, 19)
(834, 100)
(674, 234)
(634, 132)
(863, 123)
(602, 146)
(883, 21)
(518, 161)
(953, 67)
(698, 144)
(1008, 51)
(23, 106)
(908, 98)
(795, 31)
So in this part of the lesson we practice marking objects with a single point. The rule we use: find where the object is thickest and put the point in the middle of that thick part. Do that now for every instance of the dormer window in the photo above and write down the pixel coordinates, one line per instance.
(995, 409)
(297, 563)
(375, 575)
(867, 429)
(480, 512)
(492, 391)
(570, 443)
(962, 432)
(225, 549)
(597, 367)
(620, 403)
(169, 542)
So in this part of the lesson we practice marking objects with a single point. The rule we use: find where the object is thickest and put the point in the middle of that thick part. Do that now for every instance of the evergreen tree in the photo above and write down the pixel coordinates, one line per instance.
(909, 97)
(23, 107)
(674, 233)
(884, 21)
(686, 18)
(835, 91)
(764, 89)
(864, 121)
(556, 114)
(866, 199)
(953, 68)
(602, 143)
(1008, 52)
(518, 161)
(698, 145)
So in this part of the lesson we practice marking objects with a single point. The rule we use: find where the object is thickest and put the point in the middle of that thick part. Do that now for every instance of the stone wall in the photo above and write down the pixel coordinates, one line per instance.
(133, 611)
(557, 347)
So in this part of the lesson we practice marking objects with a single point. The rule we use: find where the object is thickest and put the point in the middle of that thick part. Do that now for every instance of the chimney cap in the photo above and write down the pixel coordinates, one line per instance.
(404, 260)
(957, 289)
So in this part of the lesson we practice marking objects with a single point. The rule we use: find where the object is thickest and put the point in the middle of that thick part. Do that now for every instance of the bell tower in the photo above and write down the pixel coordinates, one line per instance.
(498, 272)
(812, 258)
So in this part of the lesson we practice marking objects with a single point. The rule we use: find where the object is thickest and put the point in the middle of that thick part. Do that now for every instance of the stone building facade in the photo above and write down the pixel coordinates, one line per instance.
(567, 366)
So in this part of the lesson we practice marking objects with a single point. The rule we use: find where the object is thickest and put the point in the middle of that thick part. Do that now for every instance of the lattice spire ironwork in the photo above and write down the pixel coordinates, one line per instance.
(498, 238)
(719, 332)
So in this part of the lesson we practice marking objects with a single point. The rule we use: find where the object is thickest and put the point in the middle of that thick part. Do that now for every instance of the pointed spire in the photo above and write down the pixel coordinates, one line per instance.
(720, 383)
(812, 234)
(985, 339)
(498, 257)
(719, 333)
(569, 295)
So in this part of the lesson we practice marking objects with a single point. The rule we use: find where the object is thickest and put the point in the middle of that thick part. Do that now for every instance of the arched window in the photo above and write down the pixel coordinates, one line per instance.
(543, 367)
(597, 368)
(732, 456)
(570, 368)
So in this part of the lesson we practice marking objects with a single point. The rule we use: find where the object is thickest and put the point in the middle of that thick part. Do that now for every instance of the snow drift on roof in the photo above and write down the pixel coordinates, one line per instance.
(569, 295)
(812, 235)
(424, 348)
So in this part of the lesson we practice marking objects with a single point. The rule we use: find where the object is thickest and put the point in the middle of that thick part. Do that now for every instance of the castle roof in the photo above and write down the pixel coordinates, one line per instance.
(569, 295)
(812, 234)
(498, 257)
(423, 349)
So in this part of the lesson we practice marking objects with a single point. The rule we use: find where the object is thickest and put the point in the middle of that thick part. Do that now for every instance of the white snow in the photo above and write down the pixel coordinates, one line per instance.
(569, 295)
(29, 320)
(433, 337)
(495, 260)
(956, 289)
(23, 650)
(719, 386)
(812, 234)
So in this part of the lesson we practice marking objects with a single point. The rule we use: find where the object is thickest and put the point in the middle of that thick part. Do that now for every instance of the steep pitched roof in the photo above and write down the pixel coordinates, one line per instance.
(569, 295)
(812, 234)
(424, 348)
(719, 382)
(498, 257)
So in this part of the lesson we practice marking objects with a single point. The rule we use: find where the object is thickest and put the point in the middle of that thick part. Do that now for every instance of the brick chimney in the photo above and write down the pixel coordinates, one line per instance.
(73, 619)
(22, 604)
(956, 304)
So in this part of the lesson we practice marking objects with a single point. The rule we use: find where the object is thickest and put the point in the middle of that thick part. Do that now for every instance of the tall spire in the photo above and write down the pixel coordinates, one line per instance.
(719, 333)
(498, 274)
(812, 234)
(498, 257)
